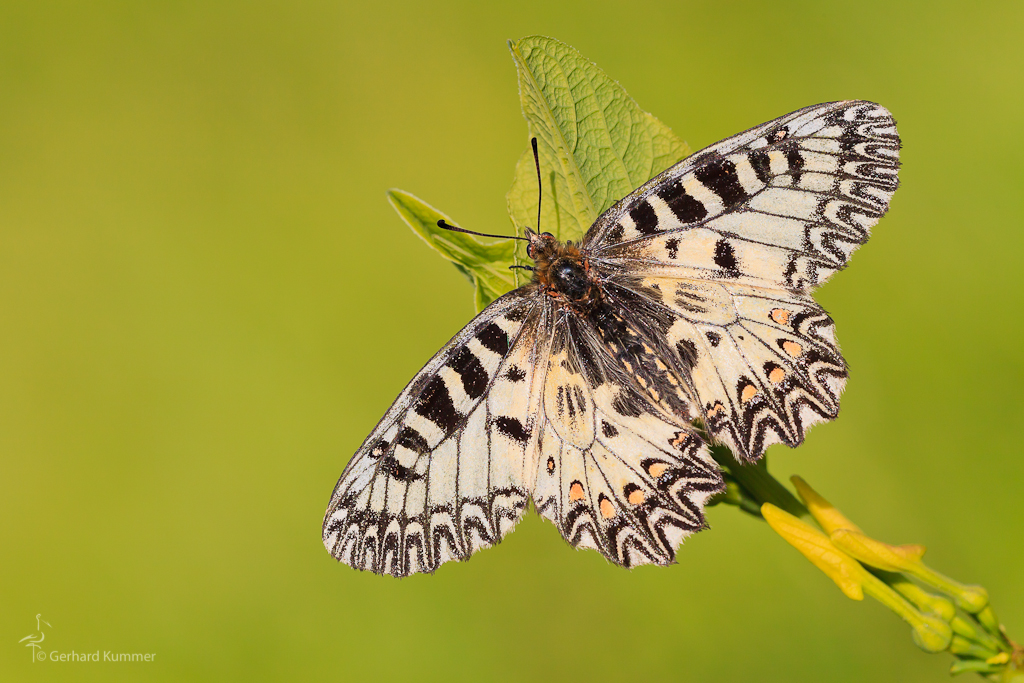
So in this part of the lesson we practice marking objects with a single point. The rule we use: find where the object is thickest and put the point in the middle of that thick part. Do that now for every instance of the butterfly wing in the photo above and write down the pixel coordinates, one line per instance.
(731, 241)
(782, 205)
(616, 472)
(763, 363)
(449, 468)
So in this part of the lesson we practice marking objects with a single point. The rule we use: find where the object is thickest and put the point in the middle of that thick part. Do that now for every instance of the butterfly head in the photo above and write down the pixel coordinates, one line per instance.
(540, 243)
(561, 269)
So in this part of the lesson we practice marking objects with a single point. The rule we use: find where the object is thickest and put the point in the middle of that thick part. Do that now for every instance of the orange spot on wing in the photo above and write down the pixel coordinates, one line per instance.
(777, 375)
(576, 491)
(636, 497)
(780, 315)
(748, 393)
(607, 509)
(792, 348)
(680, 439)
(657, 469)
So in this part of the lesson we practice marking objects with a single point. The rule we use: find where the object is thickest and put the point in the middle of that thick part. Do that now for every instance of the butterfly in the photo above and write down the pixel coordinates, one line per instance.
(683, 317)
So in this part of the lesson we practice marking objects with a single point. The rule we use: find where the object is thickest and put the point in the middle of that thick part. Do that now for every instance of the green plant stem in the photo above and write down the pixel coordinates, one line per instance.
(757, 485)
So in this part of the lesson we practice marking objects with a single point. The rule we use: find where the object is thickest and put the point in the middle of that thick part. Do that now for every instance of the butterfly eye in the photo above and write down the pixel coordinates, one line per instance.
(547, 235)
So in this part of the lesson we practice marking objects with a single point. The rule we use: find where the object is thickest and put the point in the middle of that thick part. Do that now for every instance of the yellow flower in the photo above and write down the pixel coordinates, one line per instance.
(930, 633)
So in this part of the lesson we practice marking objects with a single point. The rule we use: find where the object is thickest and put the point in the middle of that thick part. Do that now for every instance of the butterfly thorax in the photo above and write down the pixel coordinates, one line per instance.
(562, 271)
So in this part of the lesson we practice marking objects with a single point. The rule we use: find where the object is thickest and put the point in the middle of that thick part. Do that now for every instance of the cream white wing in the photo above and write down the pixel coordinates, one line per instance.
(781, 206)
(617, 473)
(450, 467)
(762, 364)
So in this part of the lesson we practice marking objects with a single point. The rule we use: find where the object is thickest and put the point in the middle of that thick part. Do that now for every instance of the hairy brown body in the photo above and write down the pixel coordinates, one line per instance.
(562, 272)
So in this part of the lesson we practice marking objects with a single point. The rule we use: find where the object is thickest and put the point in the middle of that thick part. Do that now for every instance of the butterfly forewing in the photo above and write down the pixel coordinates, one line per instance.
(449, 469)
(782, 205)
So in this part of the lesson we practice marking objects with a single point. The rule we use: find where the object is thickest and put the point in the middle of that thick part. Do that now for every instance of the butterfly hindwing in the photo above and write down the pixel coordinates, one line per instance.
(782, 205)
(616, 473)
(763, 364)
(449, 468)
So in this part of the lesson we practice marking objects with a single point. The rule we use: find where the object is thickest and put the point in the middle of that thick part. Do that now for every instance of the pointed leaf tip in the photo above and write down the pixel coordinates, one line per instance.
(484, 264)
(595, 144)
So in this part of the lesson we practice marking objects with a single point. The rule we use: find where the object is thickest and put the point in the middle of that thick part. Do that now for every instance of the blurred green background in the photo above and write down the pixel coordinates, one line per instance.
(207, 303)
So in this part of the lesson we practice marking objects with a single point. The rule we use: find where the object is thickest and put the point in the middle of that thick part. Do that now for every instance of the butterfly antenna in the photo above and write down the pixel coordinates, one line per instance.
(442, 224)
(540, 185)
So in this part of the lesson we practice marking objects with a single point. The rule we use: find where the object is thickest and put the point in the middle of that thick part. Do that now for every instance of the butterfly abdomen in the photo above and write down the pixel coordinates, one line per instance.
(634, 346)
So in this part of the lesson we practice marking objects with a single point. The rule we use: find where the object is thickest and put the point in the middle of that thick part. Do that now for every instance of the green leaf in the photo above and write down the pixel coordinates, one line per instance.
(484, 265)
(594, 142)
(595, 146)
